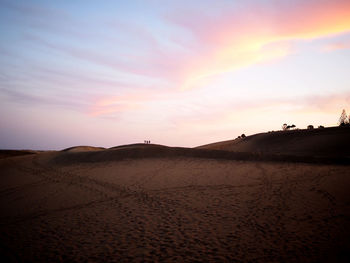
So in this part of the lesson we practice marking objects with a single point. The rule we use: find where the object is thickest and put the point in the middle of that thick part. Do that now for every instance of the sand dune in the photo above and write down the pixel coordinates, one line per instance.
(327, 142)
(13, 153)
(151, 203)
(82, 149)
(137, 151)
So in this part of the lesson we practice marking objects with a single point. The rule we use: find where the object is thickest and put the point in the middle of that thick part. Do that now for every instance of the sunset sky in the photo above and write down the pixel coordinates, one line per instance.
(178, 73)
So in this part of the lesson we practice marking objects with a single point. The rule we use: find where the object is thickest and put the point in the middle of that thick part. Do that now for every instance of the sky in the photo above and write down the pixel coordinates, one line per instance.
(178, 73)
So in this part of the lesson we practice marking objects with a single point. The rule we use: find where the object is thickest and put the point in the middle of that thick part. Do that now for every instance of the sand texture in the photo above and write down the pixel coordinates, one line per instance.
(97, 207)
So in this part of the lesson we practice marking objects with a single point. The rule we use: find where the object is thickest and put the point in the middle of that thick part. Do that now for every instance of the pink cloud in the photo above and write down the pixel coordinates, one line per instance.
(112, 104)
(222, 43)
(128, 101)
(233, 114)
(154, 64)
(337, 46)
(238, 38)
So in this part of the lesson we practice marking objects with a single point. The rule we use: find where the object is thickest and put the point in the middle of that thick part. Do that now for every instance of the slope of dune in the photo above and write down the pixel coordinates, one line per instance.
(140, 151)
(82, 149)
(171, 207)
(13, 153)
(327, 142)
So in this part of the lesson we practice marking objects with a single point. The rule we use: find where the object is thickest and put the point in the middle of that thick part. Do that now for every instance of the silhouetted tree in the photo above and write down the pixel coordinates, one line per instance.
(343, 120)
(243, 135)
(310, 127)
(321, 127)
(287, 127)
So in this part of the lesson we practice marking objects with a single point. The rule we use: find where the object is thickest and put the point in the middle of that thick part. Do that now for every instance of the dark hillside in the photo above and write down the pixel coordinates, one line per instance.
(327, 142)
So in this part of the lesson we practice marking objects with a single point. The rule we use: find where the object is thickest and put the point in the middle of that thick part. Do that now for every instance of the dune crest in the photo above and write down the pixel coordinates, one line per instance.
(82, 149)
(327, 142)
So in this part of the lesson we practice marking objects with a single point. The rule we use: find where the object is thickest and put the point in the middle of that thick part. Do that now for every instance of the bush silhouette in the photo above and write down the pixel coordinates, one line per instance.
(343, 119)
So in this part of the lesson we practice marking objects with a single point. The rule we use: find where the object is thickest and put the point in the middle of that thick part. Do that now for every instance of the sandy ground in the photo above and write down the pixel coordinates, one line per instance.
(173, 210)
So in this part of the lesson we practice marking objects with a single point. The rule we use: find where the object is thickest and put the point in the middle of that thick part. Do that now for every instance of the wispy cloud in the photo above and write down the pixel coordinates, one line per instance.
(156, 67)
(336, 46)
(244, 113)
(239, 38)
(231, 39)
(25, 98)
(44, 19)
(106, 106)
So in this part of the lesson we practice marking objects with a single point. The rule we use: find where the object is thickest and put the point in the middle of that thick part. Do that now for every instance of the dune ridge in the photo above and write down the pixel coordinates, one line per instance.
(139, 151)
(82, 149)
(14, 153)
(326, 142)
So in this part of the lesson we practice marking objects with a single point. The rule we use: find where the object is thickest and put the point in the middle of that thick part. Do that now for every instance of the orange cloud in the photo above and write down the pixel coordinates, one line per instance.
(118, 104)
(316, 19)
(236, 40)
(232, 58)
(129, 101)
(337, 46)
(240, 41)
(301, 110)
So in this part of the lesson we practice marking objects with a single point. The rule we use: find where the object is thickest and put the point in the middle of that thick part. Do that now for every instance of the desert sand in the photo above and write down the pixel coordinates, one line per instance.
(148, 203)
